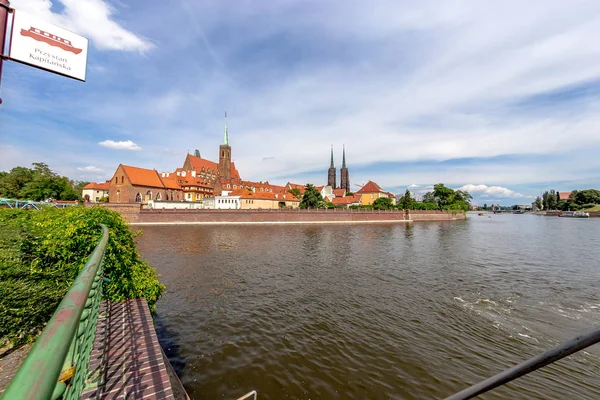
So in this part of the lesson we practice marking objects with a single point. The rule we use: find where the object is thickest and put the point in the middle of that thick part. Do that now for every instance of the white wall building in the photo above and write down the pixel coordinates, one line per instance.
(93, 192)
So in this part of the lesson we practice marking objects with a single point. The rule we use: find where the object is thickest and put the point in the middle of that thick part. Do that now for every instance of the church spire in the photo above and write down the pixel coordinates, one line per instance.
(332, 166)
(225, 134)
(344, 156)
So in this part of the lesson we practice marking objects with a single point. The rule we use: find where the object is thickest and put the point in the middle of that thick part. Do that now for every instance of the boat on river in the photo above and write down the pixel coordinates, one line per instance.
(575, 214)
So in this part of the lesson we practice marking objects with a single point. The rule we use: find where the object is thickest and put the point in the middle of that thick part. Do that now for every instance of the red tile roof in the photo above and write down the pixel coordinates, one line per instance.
(371, 187)
(564, 195)
(142, 176)
(346, 201)
(339, 192)
(290, 186)
(97, 186)
(249, 194)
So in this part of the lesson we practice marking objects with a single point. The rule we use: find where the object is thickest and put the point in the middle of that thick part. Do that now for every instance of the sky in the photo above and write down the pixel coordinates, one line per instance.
(498, 98)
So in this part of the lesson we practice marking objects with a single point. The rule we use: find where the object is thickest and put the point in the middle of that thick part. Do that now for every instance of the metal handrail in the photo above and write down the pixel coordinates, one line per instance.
(537, 362)
(56, 366)
(252, 394)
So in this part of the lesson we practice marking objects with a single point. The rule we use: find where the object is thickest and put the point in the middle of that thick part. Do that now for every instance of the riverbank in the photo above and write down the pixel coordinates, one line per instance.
(593, 214)
(135, 215)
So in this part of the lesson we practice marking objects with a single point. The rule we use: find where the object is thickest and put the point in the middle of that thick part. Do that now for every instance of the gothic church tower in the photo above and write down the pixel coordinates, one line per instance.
(225, 155)
(344, 176)
(331, 173)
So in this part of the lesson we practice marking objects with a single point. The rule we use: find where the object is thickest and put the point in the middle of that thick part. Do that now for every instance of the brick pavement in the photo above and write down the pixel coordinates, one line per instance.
(126, 361)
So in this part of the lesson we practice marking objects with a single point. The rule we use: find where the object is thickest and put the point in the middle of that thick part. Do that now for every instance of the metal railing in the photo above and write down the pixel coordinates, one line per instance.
(33, 205)
(537, 362)
(56, 366)
(252, 394)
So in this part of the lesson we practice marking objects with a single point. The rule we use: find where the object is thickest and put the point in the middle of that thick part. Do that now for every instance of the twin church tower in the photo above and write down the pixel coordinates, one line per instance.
(344, 176)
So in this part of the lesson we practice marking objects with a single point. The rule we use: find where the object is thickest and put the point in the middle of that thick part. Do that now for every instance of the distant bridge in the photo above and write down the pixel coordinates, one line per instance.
(34, 205)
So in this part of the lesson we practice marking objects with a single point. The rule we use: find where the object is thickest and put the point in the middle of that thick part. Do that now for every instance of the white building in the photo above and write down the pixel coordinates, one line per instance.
(93, 192)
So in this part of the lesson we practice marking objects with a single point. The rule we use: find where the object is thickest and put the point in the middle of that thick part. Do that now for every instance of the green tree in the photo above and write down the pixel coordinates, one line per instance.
(538, 203)
(38, 183)
(485, 207)
(383, 203)
(295, 192)
(406, 202)
(587, 196)
(312, 198)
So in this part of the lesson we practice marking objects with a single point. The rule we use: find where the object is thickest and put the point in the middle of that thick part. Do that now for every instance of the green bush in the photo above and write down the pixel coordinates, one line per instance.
(42, 252)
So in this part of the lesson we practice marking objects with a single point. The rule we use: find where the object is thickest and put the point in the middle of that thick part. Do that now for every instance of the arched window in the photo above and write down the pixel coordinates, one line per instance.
(158, 196)
(122, 179)
(138, 198)
(149, 195)
(118, 196)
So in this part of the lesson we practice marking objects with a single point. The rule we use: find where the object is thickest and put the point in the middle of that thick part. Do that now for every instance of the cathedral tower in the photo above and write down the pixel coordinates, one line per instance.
(225, 155)
(344, 176)
(331, 173)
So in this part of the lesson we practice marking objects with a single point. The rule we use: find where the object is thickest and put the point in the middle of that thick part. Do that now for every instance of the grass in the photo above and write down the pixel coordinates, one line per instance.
(595, 208)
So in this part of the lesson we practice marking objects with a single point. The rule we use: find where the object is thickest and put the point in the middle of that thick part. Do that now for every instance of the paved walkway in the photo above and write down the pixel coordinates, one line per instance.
(127, 361)
(10, 363)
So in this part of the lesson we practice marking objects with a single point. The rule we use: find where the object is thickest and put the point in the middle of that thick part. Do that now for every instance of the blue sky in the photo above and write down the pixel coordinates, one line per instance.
(501, 98)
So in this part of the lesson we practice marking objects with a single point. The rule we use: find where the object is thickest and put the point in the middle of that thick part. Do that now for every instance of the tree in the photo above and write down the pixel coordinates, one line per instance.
(485, 207)
(383, 203)
(538, 203)
(295, 192)
(588, 196)
(38, 183)
(312, 198)
(406, 202)
(429, 197)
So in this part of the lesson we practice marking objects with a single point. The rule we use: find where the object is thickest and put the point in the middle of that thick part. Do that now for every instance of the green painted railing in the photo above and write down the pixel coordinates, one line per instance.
(56, 366)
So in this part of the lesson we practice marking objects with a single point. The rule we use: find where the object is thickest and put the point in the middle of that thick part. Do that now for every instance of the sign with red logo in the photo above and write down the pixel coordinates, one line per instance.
(48, 47)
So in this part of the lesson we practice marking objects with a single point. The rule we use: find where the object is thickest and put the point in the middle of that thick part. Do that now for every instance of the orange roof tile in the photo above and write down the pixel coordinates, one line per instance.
(339, 192)
(564, 195)
(97, 186)
(347, 200)
(371, 187)
(142, 176)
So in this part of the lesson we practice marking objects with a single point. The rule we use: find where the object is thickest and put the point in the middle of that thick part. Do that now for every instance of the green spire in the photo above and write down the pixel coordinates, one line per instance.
(344, 156)
(225, 135)
(331, 166)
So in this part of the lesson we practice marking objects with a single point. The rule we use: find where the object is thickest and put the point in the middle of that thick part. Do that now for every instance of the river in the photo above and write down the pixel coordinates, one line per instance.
(378, 311)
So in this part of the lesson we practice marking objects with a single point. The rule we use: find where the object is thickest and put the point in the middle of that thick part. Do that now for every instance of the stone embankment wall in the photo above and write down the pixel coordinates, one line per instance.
(133, 213)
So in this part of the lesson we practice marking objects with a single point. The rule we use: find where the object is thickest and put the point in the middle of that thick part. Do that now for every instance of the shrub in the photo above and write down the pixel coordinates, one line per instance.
(42, 252)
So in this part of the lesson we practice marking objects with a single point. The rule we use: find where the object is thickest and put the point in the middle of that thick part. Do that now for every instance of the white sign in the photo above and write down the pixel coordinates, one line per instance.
(46, 46)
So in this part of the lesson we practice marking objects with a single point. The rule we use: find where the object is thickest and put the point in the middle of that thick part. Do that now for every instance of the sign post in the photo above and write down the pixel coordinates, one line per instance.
(4, 10)
(42, 45)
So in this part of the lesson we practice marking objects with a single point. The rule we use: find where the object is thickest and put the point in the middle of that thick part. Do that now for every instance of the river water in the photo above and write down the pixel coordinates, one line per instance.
(378, 311)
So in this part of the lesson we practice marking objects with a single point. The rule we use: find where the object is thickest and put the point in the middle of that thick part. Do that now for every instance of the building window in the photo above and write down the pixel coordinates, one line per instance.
(372, 195)
(118, 196)
(138, 198)
(158, 196)
(235, 186)
(148, 195)
(228, 186)
(122, 179)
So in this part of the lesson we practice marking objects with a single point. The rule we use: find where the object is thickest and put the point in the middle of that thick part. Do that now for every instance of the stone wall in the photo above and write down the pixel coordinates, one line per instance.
(436, 215)
(133, 213)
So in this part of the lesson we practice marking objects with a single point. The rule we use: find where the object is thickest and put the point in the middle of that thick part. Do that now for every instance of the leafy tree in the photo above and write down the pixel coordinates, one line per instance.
(588, 196)
(295, 192)
(425, 206)
(312, 198)
(38, 183)
(538, 203)
(485, 207)
(383, 203)
(406, 202)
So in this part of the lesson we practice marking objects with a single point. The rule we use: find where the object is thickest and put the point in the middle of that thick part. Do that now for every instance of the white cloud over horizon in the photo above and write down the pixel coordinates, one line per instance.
(123, 145)
(491, 191)
(91, 169)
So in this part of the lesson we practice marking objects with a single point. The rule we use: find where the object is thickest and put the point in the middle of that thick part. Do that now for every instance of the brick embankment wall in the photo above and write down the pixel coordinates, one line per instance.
(269, 216)
(436, 215)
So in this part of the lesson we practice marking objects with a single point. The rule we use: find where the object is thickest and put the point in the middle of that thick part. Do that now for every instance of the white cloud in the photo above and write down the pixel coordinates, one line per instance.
(91, 169)
(491, 191)
(89, 18)
(126, 145)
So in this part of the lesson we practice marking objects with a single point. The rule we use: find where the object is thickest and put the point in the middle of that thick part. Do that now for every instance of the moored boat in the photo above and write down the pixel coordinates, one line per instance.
(575, 214)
